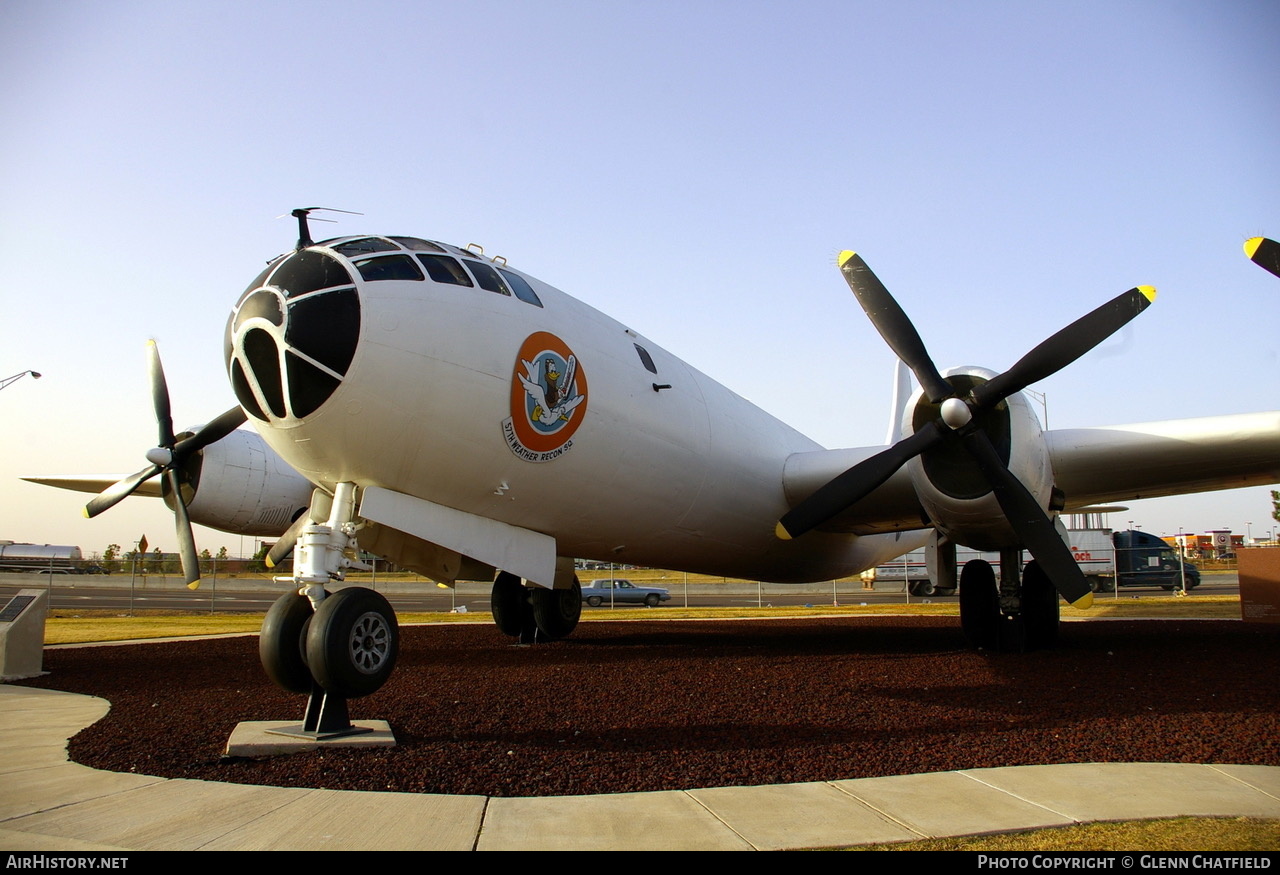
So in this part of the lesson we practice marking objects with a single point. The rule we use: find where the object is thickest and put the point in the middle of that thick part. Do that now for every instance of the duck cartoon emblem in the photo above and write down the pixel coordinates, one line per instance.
(548, 399)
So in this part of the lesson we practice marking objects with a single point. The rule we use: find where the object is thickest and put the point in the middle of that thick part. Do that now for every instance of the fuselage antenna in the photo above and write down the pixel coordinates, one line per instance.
(304, 231)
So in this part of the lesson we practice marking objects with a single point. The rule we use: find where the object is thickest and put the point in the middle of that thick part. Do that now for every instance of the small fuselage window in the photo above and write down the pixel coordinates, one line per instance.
(646, 359)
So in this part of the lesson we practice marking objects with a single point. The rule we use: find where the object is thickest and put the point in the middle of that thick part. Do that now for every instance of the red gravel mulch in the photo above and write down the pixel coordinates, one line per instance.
(664, 705)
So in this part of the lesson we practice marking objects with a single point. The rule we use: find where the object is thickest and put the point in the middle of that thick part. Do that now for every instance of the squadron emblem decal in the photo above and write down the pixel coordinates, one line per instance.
(548, 399)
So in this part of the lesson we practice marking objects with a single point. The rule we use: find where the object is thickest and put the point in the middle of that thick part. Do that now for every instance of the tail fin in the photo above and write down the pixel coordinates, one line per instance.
(902, 389)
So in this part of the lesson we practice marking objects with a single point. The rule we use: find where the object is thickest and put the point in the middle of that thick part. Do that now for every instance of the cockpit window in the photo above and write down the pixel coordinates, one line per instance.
(488, 278)
(309, 271)
(522, 289)
(365, 244)
(389, 267)
(417, 244)
(444, 269)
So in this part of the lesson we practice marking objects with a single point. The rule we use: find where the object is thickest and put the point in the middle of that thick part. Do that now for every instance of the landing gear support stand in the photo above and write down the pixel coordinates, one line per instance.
(336, 646)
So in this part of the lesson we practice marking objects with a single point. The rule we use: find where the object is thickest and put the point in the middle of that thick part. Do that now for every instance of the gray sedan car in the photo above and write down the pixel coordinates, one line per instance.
(620, 592)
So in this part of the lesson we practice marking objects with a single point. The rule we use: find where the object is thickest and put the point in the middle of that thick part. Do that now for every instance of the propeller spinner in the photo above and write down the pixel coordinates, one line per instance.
(169, 458)
(961, 417)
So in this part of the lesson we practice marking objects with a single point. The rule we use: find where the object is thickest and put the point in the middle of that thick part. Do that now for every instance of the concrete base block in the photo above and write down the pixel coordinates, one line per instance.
(256, 738)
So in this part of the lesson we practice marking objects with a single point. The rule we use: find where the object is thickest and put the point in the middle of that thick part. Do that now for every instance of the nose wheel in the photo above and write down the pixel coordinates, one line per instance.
(352, 642)
(282, 644)
(343, 650)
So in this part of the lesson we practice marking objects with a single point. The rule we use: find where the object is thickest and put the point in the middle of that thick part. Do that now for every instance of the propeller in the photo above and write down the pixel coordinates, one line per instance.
(1264, 252)
(284, 546)
(961, 417)
(169, 458)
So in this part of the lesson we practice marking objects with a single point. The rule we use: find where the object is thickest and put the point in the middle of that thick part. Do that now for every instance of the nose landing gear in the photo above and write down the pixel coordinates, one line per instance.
(335, 646)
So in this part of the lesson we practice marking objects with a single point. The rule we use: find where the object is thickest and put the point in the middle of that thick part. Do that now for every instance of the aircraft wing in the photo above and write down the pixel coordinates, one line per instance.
(1154, 459)
(1090, 466)
(891, 507)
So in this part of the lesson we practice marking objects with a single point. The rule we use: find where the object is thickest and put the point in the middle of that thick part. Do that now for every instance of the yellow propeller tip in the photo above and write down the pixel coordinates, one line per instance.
(85, 511)
(193, 585)
(269, 563)
(1251, 246)
(781, 532)
(1084, 602)
(1148, 292)
(844, 256)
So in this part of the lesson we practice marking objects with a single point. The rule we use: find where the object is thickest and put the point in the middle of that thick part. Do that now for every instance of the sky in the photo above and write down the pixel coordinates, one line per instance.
(690, 168)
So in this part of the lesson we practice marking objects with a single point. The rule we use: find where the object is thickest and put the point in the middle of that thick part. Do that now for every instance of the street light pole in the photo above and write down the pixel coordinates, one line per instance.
(7, 381)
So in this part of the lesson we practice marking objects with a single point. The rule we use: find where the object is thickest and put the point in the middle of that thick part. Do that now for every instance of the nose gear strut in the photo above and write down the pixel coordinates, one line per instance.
(340, 645)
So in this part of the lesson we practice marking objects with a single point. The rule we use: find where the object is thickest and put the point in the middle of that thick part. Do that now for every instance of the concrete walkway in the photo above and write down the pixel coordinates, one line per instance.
(50, 804)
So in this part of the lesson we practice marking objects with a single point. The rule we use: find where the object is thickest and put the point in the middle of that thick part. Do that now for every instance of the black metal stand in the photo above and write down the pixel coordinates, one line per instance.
(528, 627)
(326, 717)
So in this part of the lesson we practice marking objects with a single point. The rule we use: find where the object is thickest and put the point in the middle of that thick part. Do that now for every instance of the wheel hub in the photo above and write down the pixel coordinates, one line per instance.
(370, 642)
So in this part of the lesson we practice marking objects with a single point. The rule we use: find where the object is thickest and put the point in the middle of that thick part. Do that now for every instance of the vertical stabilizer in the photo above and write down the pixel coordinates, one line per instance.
(901, 393)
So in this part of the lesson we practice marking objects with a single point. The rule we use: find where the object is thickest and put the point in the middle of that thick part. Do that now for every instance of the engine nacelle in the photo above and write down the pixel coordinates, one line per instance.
(947, 480)
(242, 486)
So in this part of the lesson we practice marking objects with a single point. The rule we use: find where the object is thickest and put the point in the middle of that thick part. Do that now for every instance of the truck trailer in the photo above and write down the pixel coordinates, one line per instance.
(1133, 558)
(41, 557)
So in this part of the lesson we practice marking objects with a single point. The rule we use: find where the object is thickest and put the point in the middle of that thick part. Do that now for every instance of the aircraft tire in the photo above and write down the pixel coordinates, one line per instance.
(283, 642)
(1039, 608)
(508, 601)
(979, 604)
(353, 642)
(557, 611)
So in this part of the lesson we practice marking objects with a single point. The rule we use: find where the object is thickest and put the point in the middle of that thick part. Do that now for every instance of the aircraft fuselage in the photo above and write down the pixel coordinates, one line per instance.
(521, 405)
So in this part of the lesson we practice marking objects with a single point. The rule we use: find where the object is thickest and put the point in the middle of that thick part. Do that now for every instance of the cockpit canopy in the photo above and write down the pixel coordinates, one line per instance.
(293, 333)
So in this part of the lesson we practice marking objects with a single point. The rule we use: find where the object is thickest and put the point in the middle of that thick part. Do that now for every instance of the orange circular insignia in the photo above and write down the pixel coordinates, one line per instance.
(548, 399)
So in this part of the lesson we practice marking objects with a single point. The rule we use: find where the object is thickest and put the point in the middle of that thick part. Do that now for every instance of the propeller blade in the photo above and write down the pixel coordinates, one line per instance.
(283, 547)
(893, 324)
(1030, 522)
(160, 395)
(118, 491)
(856, 483)
(1067, 345)
(1264, 252)
(186, 540)
(211, 432)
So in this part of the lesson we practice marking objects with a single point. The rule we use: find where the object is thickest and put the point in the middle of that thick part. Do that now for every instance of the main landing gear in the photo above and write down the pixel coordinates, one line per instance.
(331, 646)
(1017, 615)
(534, 613)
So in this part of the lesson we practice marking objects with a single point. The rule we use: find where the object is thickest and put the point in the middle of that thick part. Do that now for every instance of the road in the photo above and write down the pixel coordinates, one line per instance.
(250, 595)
